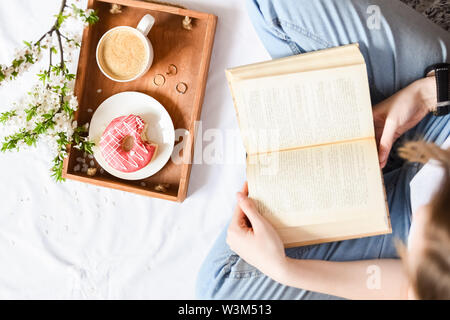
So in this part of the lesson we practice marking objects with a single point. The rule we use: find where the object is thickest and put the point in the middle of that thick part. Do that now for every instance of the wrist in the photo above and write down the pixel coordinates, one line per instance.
(282, 273)
(426, 93)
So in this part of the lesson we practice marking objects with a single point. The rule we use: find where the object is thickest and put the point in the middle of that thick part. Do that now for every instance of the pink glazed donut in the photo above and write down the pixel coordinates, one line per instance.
(124, 145)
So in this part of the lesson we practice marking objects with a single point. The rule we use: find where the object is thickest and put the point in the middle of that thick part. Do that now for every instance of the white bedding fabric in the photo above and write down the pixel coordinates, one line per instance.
(73, 240)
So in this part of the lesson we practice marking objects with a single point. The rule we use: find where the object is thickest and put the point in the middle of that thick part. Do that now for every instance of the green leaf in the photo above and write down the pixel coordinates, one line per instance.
(64, 89)
(76, 10)
(16, 63)
(93, 18)
(60, 18)
(65, 106)
(31, 112)
(56, 69)
(57, 170)
(90, 19)
(70, 76)
(58, 161)
(48, 116)
(8, 145)
(44, 76)
(87, 147)
(83, 142)
(42, 127)
(11, 141)
(39, 128)
(5, 116)
(27, 44)
(30, 140)
(29, 58)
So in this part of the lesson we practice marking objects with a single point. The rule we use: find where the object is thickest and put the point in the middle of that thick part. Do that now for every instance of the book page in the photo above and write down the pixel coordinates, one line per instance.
(337, 231)
(304, 109)
(318, 185)
(315, 60)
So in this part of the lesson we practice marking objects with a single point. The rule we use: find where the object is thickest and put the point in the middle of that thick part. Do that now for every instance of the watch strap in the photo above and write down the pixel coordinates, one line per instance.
(442, 75)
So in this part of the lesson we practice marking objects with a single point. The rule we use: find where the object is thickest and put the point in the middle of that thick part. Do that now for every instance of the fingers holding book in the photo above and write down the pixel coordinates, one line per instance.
(401, 112)
(253, 238)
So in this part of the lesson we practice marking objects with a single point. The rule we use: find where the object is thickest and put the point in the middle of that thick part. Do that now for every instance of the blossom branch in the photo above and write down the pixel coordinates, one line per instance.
(47, 111)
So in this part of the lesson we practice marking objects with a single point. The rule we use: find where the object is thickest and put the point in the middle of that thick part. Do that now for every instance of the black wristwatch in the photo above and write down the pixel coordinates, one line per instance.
(442, 73)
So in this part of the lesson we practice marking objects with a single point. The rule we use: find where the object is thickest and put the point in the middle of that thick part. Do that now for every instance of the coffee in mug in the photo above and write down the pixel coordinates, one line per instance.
(125, 53)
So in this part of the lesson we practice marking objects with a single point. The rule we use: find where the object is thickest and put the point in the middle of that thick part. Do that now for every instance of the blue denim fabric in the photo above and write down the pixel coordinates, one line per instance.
(396, 54)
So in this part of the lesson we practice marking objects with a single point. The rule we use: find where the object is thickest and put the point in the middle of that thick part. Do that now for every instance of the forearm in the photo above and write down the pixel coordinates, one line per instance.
(365, 279)
(427, 93)
(419, 95)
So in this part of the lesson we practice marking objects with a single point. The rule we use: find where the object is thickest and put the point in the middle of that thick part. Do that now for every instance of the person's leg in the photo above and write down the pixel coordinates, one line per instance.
(396, 51)
(224, 275)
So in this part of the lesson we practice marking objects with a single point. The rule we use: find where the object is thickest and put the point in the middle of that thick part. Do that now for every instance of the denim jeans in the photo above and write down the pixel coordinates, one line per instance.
(397, 48)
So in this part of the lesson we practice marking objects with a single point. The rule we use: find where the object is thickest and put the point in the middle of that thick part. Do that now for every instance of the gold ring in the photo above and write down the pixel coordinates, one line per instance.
(171, 70)
(159, 80)
(181, 87)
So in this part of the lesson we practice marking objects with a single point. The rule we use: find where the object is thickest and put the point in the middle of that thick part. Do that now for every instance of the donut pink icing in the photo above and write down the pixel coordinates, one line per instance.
(126, 130)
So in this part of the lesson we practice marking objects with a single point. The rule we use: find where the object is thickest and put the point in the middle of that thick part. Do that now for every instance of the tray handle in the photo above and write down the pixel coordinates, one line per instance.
(187, 21)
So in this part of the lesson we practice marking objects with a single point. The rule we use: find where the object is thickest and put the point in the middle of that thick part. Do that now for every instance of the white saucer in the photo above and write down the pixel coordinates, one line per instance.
(160, 129)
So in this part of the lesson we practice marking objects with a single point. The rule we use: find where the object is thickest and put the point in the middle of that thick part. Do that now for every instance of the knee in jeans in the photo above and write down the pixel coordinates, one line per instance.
(212, 273)
(253, 6)
(206, 279)
(203, 290)
(215, 276)
(258, 6)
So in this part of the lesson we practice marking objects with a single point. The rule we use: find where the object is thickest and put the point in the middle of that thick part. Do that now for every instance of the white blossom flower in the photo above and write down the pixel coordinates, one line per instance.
(73, 103)
(50, 104)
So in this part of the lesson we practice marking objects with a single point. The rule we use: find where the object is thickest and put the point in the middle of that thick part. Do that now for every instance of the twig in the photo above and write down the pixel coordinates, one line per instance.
(61, 52)
(65, 37)
(50, 65)
(63, 5)
(48, 32)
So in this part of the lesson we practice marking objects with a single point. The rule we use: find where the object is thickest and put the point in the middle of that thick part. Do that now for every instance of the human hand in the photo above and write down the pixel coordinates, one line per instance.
(401, 112)
(254, 239)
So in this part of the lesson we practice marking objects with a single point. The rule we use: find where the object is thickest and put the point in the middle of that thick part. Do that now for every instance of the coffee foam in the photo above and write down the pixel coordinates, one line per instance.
(122, 54)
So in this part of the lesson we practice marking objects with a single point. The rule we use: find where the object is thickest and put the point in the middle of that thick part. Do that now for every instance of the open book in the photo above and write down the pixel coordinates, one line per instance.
(312, 162)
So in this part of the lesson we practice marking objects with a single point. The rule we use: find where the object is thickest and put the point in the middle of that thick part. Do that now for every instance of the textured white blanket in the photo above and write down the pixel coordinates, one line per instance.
(73, 240)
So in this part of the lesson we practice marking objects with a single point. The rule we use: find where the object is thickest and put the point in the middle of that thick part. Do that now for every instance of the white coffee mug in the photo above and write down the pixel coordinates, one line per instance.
(142, 30)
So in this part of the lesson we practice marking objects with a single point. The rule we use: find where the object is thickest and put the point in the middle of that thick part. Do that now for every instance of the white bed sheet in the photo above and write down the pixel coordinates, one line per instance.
(73, 240)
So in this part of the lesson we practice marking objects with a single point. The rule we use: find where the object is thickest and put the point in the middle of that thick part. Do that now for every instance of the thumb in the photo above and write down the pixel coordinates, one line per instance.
(249, 208)
(386, 141)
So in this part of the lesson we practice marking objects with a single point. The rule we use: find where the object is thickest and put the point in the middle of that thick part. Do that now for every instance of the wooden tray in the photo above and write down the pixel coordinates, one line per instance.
(189, 50)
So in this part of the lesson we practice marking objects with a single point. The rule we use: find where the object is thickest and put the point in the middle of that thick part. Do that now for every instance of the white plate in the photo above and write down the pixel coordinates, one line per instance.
(160, 129)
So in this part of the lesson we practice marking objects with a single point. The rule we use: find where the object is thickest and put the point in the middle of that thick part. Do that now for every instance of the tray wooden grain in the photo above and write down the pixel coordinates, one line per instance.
(189, 50)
